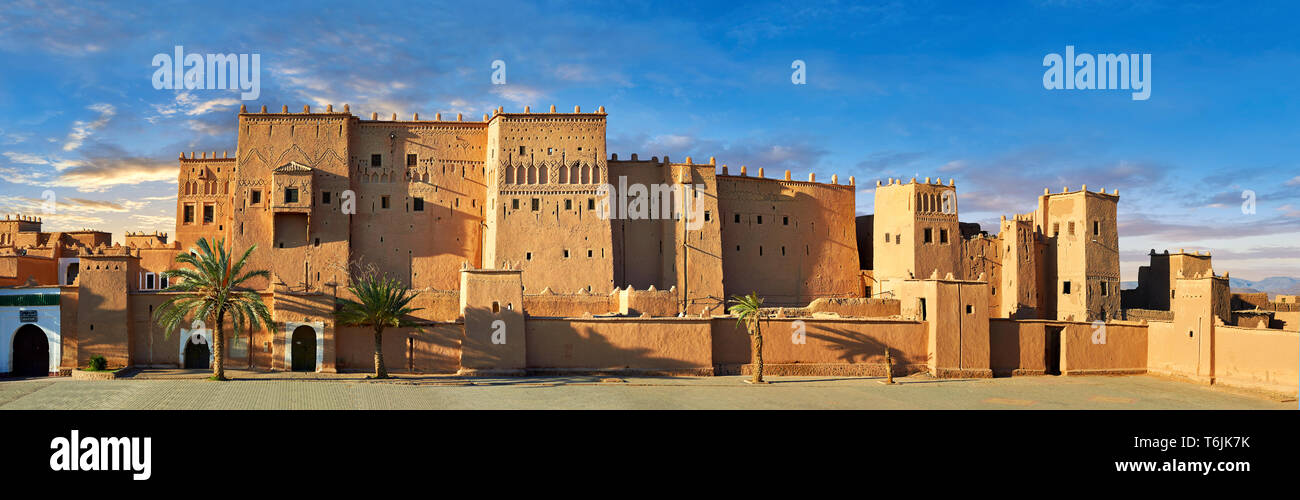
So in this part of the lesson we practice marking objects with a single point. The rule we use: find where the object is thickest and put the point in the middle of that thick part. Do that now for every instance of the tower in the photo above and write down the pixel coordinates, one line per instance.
(1082, 254)
(915, 230)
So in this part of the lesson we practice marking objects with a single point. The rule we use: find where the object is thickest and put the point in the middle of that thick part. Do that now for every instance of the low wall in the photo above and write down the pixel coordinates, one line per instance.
(434, 348)
(1019, 347)
(830, 346)
(676, 346)
(1171, 351)
(856, 307)
(1257, 359)
(1148, 314)
(569, 306)
(1122, 350)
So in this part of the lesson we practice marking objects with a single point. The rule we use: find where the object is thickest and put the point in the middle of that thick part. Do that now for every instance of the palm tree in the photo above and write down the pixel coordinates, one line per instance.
(211, 290)
(748, 310)
(381, 303)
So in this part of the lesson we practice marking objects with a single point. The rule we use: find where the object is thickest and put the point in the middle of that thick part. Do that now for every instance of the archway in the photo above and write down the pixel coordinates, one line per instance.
(197, 355)
(304, 349)
(31, 352)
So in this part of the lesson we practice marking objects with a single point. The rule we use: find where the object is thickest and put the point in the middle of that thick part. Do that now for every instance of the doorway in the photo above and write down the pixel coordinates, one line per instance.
(197, 355)
(304, 349)
(1052, 350)
(31, 352)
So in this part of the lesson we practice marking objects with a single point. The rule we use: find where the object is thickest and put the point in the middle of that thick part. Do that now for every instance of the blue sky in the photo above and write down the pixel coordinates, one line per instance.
(897, 89)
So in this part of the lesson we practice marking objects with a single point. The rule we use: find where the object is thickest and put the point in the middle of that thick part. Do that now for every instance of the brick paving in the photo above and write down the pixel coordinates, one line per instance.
(181, 389)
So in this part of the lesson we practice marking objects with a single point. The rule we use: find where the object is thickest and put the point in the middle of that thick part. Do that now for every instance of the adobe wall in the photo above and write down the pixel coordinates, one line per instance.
(432, 348)
(1017, 347)
(831, 346)
(1123, 350)
(856, 307)
(678, 346)
(803, 229)
(423, 245)
(570, 305)
(1259, 359)
(16, 270)
(647, 302)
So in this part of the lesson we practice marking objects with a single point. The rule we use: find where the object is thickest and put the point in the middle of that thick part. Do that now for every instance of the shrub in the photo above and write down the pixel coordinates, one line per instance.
(97, 363)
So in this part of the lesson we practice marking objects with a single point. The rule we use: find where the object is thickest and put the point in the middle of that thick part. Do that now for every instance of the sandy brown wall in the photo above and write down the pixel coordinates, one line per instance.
(656, 345)
(1265, 359)
(827, 342)
(433, 348)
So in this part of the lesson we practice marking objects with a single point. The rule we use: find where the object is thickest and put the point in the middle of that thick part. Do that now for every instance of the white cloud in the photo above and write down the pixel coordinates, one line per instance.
(82, 129)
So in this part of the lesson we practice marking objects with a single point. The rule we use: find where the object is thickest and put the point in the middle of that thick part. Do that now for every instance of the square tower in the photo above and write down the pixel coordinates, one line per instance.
(543, 191)
(915, 230)
(1082, 254)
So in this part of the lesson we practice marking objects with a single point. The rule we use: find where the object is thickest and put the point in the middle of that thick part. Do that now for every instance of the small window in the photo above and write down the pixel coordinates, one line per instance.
(325, 197)
(591, 203)
(208, 214)
(1065, 287)
(149, 281)
(291, 195)
(566, 253)
(707, 216)
(528, 256)
(568, 204)
(589, 253)
(785, 220)
(898, 239)
(1171, 293)
(886, 237)
(943, 236)
(929, 236)
(970, 309)
(537, 204)
(1096, 228)
(189, 214)
(514, 204)
(521, 150)
(255, 197)
(1071, 228)
(1104, 289)
(737, 218)
(760, 219)
(383, 202)
(410, 160)
(417, 204)
(316, 243)
(1056, 228)
(162, 282)
(376, 160)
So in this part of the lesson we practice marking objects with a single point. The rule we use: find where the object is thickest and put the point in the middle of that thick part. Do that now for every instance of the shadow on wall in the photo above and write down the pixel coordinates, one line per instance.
(676, 347)
(857, 347)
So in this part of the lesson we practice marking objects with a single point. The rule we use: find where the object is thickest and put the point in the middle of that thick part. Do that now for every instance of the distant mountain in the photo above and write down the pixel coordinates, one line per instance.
(1276, 285)
(1273, 286)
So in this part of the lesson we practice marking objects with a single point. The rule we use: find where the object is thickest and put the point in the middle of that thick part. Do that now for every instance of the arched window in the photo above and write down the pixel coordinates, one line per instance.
(564, 174)
(574, 176)
(510, 175)
(586, 174)
(542, 175)
(520, 175)
(595, 175)
(532, 175)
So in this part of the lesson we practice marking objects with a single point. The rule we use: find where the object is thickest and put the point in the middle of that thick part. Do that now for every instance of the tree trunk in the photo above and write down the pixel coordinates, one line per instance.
(758, 354)
(219, 350)
(380, 371)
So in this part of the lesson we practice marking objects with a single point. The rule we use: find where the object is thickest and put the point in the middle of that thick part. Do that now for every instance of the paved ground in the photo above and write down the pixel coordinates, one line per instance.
(180, 389)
